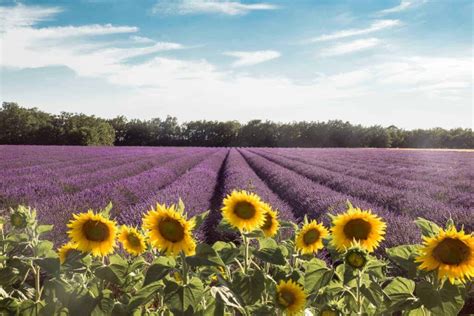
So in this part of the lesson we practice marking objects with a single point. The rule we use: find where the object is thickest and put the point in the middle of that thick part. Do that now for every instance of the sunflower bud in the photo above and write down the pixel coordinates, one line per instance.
(356, 258)
(19, 219)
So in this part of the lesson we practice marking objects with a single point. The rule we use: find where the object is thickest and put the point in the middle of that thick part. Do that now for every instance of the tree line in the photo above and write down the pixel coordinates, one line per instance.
(19, 125)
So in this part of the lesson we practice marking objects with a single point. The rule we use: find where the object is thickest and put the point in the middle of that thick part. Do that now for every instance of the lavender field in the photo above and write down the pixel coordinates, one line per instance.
(399, 185)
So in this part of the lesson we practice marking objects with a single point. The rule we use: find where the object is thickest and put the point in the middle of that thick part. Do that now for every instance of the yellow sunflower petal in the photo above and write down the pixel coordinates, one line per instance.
(132, 241)
(93, 233)
(451, 253)
(64, 250)
(309, 238)
(243, 210)
(357, 225)
(169, 231)
(271, 225)
(290, 297)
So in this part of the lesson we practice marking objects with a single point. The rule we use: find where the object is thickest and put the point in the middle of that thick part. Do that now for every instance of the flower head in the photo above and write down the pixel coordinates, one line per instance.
(309, 239)
(169, 231)
(132, 240)
(93, 233)
(356, 225)
(243, 210)
(451, 252)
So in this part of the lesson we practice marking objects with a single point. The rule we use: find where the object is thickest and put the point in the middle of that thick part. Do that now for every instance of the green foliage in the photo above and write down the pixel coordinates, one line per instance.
(222, 279)
(30, 126)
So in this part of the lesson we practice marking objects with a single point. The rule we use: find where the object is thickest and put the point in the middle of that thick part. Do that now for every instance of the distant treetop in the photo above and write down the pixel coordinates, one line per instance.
(20, 125)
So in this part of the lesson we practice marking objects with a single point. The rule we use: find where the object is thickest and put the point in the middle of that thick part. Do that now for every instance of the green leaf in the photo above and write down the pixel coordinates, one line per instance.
(205, 256)
(199, 219)
(8, 276)
(184, 298)
(400, 292)
(106, 211)
(50, 265)
(224, 294)
(160, 267)
(428, 228)
(317, 275)
(109, 274)
(249, 287)
(41, 229)
(404, 256)
(45, 249)
(82, 305)
(226, 250)
(447, 301)
(143, 296)
(270, 252)
(374, 293)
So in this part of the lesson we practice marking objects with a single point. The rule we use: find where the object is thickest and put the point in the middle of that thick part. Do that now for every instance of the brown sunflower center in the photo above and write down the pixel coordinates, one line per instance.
(451, 251)
(95, 230)
(244, 210)
(311, 236)
(286, 297)
(133, 240)
(268, 222)
(171, 230)
(357, 229)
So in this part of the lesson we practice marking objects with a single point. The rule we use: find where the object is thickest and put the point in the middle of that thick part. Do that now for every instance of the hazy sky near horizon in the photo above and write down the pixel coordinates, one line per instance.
(402, 62)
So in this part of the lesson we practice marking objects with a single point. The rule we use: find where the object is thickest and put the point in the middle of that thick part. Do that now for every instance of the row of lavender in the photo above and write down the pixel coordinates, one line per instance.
(398, 185)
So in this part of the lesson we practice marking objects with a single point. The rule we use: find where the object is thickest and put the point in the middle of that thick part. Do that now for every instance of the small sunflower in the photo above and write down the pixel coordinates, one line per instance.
(169, 231)
(357, 225)
(290, 297)
(309, 238)
(271, 225)
(93, 233)
(64, 250)
(244, 210)
(132, 241)
(451, 253)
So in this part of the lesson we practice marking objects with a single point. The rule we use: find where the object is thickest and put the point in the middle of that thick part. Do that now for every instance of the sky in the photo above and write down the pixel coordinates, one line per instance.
(407, 63)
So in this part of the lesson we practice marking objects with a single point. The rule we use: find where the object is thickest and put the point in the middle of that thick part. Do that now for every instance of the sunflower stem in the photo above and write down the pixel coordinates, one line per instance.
(246, 253)
(358, 294)
(185, 268)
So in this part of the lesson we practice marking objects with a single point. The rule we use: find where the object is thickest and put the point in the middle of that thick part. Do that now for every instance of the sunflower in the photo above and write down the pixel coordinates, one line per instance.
(93, 233)
(290, 297)
(169, 231)
(132, 241)
(271, 225)
(64, 250)
(244, 210)
(309, 238)
(357, 225)
(451, 253)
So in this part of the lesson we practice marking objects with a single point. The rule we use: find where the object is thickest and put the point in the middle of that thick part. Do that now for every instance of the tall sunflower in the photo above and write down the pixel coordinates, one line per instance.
(357, 225)
(243, 210)
(290, 297)
(64, 251)
(271, 225)
(309, 238)
(93, 233)
(451, 253)
(132, 241)
(169, 231)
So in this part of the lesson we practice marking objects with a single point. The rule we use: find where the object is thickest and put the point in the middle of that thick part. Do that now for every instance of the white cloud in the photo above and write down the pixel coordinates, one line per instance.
(209, 6)
(141, 39)
(23, 16)
(252, 58)
(374, 27)
(164, 85)
(350, 47)
(404, 5)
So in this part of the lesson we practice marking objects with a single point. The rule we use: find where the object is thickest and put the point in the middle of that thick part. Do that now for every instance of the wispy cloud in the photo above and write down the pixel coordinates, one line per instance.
(23, 16)
(350, 47)
(252, 58)
(404, 5)
(374, 27)
(183, 7)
